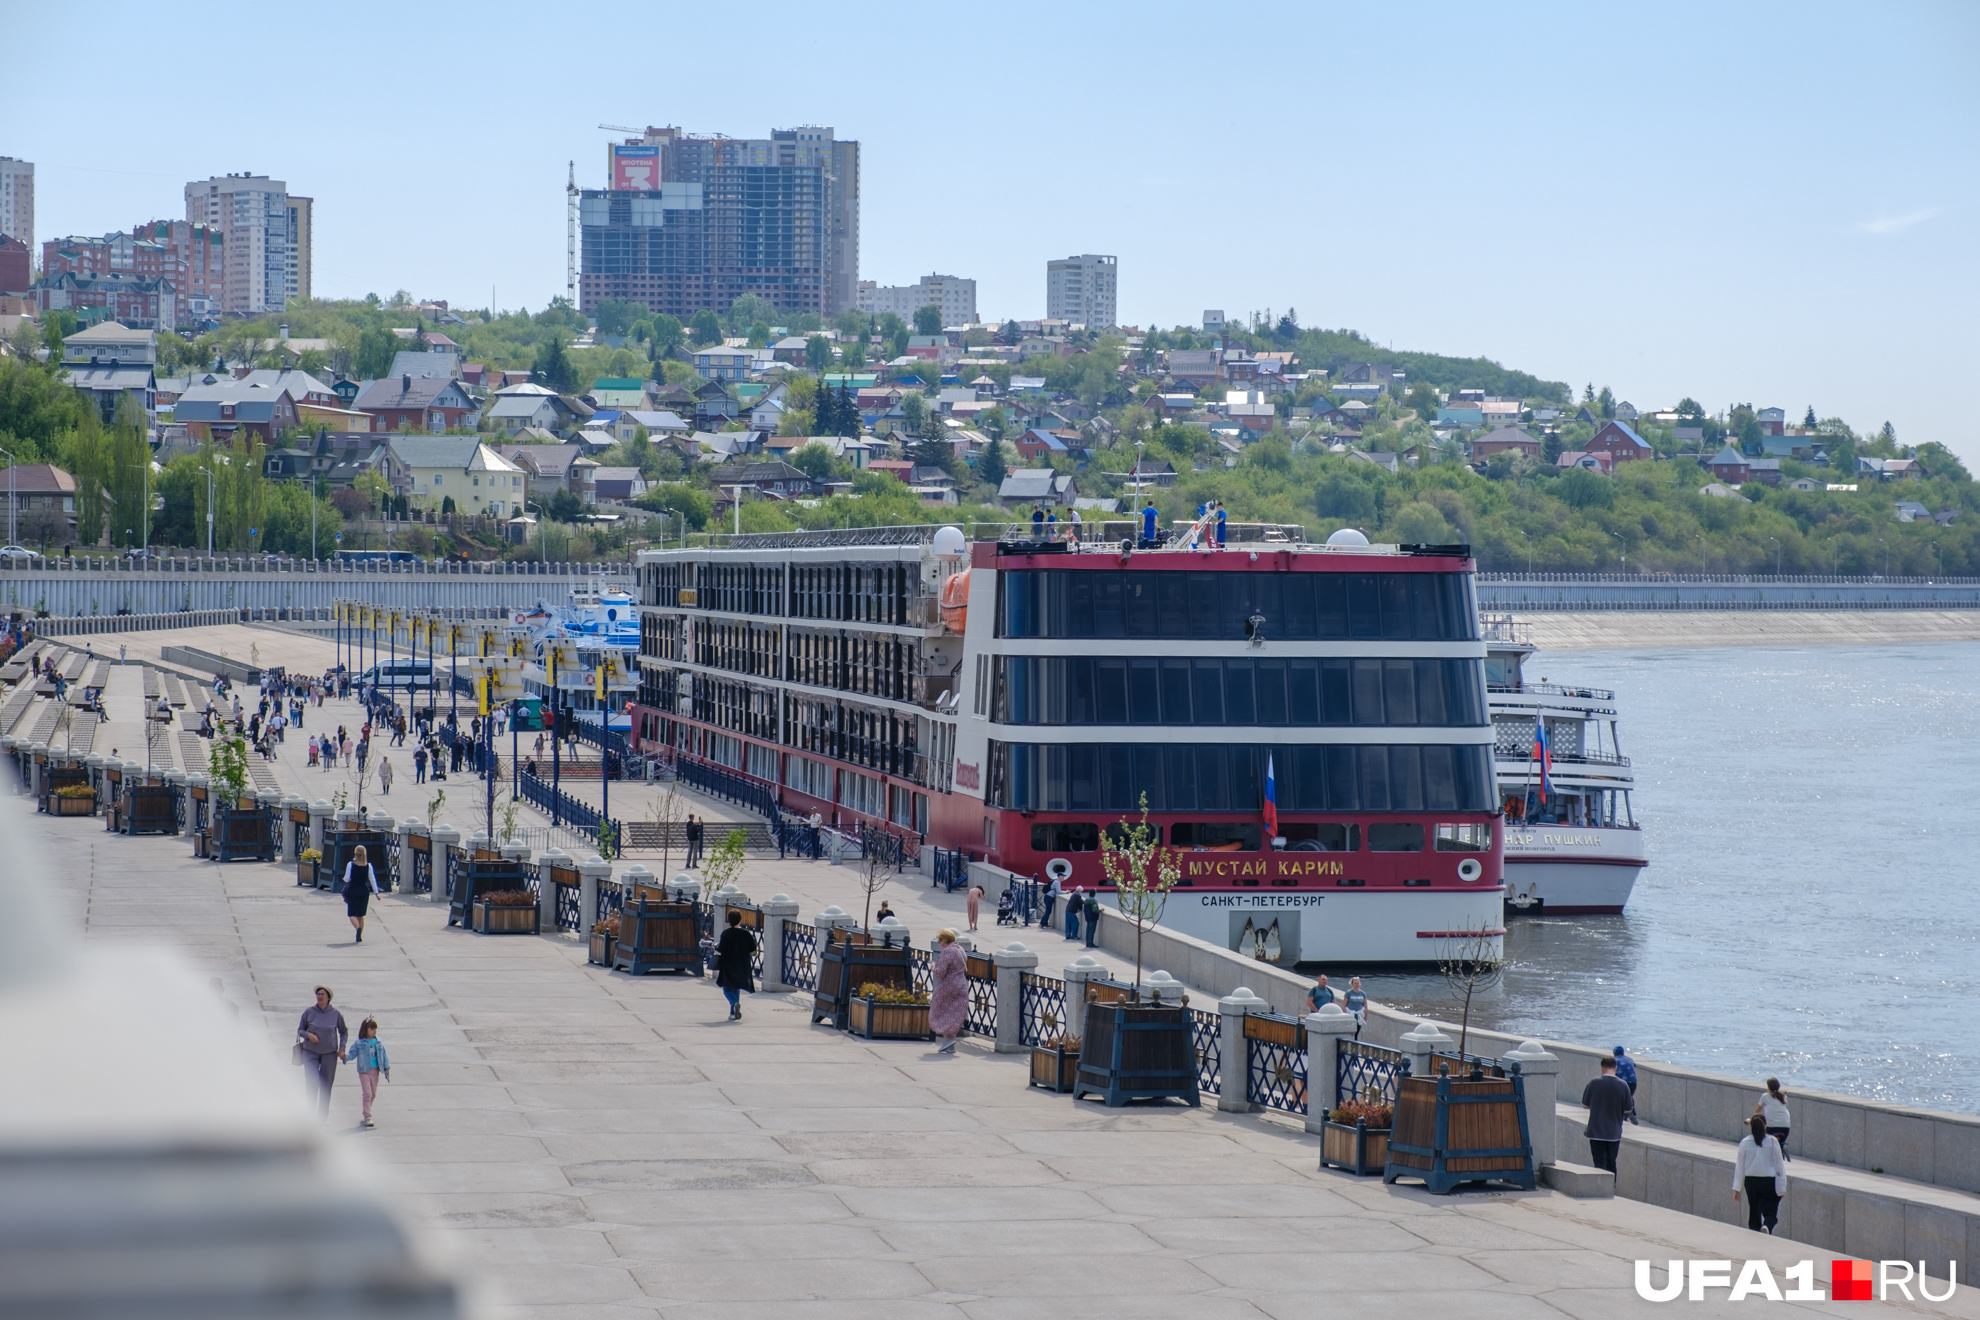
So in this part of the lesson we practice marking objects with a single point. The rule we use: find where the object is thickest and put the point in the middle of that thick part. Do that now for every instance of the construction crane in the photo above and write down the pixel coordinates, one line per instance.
(570, 235)
(623, 128)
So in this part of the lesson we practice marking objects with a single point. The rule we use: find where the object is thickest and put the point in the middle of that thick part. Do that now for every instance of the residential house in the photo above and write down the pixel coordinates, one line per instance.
(778, 480)
(1365, 380)
(898, 468)
(43, 500)
(1900, 469)
(1506, 439)
(417, 403)
(1198, 365)
(1501, 412)
(1620, 442)
(1912, 511)
(114, 364)
(549, 468)
(1805, 483)
(767, 415)
(1766, 471)
(517, 407)
(120, 296)
(410, 362)
(230, 411)
(1729, 466)
(1035, 444)
(714, 405)
(1718, 490)
(618, 485)
(1466, 413)
(1037, 486)
(1596, 460)
(1386, 461)
(618, 392)
(656, 424)
(1626, 412)
(438, 468)
(721, 363)
(1772, 421)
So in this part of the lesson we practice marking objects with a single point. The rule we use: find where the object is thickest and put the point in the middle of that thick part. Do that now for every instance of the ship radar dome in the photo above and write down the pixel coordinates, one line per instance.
(949, 542)
(1347, 536)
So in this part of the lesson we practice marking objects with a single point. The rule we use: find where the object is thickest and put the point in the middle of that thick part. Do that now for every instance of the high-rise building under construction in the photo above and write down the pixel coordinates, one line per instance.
(690, 221)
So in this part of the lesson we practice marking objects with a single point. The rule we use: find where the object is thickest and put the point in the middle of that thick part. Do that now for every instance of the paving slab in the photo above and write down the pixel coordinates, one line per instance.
(595, 1145)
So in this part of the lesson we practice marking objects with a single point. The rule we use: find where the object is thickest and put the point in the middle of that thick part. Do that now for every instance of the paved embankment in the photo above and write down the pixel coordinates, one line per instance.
(1626, 630)
(594, 1145)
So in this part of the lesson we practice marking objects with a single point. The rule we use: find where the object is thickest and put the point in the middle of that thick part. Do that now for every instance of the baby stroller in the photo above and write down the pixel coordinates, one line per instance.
(1006, 914)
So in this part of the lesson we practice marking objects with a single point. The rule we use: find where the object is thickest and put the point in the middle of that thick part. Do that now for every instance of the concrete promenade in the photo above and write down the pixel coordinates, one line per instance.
(591, 1145)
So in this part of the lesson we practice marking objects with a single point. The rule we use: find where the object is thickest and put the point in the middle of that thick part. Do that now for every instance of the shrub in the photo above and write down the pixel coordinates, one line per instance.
(1375, 1113)
(884, 994)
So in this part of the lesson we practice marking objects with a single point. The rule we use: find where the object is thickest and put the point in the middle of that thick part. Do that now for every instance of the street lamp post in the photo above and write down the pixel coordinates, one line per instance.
(209, 511)
(12, 538)
(1777, 554)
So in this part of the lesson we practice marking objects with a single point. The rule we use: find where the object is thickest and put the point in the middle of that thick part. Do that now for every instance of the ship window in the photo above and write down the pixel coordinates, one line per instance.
(1144, 692)
(1119, 835)
(1209, 685)
(1464, 838)
(1271, 686)
(1368, 706)
(1239, 708)
(1303, 692)
(1219, 836)
(1066, 836)
(1175, 692)
(1172, 618)
(1395, 836)
(1110, 691)
(1324, 837)
(1206, 606)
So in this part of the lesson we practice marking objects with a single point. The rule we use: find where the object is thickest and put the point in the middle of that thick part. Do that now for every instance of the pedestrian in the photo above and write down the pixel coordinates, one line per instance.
(419, 764)
(368, 1056)
(1092, 915)
(948, 991)
(1149, 515)
(1051, 901)
(973, 903)
(1220, 524)
(1626, 1072)
(1606, 1099)
(385, 775)
(1075, 905)
(320, 1039)
(1759, 1171)
(314, 750)
(732, 963)
(886, 911)
(1037, 522)
(122, 653)
(344, 746)
(360, 883)
(1318, 994)
(1357, 1004)
(1773, 1108)
(693, 840)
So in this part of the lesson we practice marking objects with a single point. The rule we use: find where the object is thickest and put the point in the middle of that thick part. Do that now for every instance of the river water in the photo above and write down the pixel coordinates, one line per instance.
(1809, 911)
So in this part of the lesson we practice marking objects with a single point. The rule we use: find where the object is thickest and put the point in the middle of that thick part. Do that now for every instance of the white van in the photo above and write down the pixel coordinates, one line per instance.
(399, 675)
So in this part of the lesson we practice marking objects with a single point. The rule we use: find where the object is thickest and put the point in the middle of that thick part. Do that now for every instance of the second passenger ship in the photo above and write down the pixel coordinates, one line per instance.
(1015, 698)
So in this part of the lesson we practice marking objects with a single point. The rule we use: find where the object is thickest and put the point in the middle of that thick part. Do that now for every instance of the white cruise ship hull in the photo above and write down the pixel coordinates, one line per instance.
(1346, 927)
(1571, 870)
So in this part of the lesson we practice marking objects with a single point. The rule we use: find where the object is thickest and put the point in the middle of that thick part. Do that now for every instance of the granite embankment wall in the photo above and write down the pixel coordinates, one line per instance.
(1878, 1181)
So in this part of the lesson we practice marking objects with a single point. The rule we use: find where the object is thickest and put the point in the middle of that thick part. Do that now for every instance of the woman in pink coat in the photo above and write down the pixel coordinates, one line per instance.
(948, 999)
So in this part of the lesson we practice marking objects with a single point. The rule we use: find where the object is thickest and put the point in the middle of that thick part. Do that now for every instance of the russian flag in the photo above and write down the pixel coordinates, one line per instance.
(1271, 807)
(1544, 755)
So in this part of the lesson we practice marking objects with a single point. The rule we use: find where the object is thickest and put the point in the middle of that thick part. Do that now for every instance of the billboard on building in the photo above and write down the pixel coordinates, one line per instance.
(635, 168)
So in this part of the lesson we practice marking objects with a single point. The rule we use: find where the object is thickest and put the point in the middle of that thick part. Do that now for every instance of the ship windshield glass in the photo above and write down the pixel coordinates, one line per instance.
(1464, 838)
(1414, 606)
(1065, 836)
(1214, 837)
(1395, 836)
(1324, 837)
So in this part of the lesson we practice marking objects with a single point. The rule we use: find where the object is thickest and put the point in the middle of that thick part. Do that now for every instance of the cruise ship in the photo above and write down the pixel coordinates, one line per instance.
(1573, 846)
(1015, 697)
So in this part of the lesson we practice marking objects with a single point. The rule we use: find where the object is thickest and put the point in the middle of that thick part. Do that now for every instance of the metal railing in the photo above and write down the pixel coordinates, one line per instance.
(951, 869)
(570, 905)
(1275, 1062)
(800, 955)
(1367, 1072)
(982, 1013)
(1042, 1008)
(565, 809)
(1206, 1038)
(1461, 1064)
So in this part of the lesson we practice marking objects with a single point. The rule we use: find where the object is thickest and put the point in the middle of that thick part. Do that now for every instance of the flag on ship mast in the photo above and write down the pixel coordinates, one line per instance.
(1271, 807)
(1544, 756)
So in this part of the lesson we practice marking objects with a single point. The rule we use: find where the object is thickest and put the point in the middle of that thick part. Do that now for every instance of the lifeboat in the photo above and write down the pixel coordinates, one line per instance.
(955, 602)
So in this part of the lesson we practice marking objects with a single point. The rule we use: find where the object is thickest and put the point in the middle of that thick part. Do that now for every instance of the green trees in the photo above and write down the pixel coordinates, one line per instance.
(704, 329)
(928, 320)
(818, 353)
(553, 368)
(814, 460)
(372, 357)
(89, 458)
(837, 412)
(615, 316)
(686, 501)
(990, 465)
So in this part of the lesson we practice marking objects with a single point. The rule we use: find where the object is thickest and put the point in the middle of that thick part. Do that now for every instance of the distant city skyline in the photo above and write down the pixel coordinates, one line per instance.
(1773, 204)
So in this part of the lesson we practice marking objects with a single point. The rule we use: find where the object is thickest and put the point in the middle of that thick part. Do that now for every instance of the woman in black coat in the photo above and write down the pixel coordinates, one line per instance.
(733, 971)
(360, 883)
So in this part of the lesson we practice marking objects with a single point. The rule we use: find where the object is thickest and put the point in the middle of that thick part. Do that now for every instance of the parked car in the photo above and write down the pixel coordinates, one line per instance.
(18, 552)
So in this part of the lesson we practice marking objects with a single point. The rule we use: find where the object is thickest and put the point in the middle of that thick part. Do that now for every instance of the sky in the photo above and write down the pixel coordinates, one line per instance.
(1757, 203)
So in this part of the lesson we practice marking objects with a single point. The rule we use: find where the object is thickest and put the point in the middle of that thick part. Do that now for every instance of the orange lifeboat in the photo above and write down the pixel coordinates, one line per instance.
(955, 603)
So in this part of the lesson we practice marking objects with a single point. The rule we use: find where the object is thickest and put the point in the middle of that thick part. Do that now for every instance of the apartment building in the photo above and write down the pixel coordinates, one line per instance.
(693, 221)
(1081, 290)
(262, 229)
(185, 255)
(17, 199)
(954, 295)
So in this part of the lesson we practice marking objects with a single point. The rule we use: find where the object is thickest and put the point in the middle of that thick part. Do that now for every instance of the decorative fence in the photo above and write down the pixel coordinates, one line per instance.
(1206, 1035)
(1275, 1062)
(1042, 1007)
(611, 899)
(982, 972)
(800, 956)
(566, 810)
(894, 849)
(1367, 1072)
(951, 869)
(718, 781)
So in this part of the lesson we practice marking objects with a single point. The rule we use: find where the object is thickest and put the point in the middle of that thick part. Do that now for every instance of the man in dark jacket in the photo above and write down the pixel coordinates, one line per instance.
(1607, 1100)
(1092, 915)
(733, 970)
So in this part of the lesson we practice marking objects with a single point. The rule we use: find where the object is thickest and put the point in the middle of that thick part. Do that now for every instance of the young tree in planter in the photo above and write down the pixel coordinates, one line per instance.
(723, 865)
(666, 812)
(1469, 964)
(873, 878)
(1143, 873)
(227, 765)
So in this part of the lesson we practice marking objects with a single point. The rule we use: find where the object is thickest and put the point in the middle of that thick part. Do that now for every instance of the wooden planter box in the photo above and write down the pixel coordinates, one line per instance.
(600, 952)
(1449, 1131)
(1053, 1069)
(199, 843)
(1361, 1150)
(1136, 1052)
(849, 961)
(877, 1021)
(658, 935)
(243, 835)
(72, 806)
(306, 874)
(471, 881)
(150, 809)
(504, 920)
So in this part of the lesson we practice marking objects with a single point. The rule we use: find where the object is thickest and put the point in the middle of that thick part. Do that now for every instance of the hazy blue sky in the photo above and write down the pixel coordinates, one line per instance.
(1764, 203)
